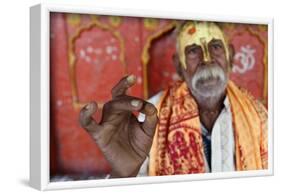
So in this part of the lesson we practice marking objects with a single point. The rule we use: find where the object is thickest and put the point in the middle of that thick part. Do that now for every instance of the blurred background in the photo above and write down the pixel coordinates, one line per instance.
(90, 53)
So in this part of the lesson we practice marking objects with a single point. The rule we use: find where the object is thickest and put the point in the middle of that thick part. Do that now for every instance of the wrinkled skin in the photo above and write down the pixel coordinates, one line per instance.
(124, 141)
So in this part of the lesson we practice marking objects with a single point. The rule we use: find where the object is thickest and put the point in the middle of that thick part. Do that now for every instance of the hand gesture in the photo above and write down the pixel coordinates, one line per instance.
(124, 141)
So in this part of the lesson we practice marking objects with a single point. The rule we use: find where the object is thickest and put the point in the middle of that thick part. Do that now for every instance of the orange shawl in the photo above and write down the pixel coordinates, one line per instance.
(177, 145)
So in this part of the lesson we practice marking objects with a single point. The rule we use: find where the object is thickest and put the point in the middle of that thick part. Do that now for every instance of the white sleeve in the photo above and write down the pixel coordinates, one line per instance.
(144, 167)
(153, 100)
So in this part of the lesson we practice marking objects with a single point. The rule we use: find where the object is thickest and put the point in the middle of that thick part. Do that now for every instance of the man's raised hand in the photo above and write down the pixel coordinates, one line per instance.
(124, 141)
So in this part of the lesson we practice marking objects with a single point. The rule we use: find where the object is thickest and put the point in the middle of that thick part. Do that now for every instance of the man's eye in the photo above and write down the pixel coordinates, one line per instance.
(216, 46)
(193, 51)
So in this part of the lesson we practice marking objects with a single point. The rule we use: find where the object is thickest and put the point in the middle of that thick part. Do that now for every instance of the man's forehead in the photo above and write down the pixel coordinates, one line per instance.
(198, 32)
(201, 34)
(213, 41)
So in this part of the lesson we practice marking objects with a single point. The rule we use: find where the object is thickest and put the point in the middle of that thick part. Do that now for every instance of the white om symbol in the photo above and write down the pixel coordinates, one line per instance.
(246, 58)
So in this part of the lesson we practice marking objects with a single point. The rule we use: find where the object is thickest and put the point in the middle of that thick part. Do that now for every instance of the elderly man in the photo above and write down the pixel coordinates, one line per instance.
(203, 124)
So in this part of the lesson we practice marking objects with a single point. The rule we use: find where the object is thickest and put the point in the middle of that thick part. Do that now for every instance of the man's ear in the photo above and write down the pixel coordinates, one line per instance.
(177, 64)
(231, 54)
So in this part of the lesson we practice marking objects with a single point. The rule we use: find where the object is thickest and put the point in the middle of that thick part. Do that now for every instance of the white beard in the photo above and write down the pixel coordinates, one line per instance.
(208, 84)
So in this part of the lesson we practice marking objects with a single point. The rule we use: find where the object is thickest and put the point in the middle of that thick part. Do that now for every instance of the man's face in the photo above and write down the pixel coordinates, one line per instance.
(207, 69)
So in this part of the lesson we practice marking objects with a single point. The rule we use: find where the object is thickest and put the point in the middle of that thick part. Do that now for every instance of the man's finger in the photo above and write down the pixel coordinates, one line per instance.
(86, 120)
(124, 103)
(121, 87)
(151, 119)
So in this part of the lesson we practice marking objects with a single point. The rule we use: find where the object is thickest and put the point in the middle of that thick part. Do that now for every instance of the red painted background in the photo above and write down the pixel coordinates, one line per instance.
(89, 54)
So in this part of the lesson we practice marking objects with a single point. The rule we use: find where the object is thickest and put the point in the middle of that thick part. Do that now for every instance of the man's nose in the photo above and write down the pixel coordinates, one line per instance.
(206, 57)
(206, 54)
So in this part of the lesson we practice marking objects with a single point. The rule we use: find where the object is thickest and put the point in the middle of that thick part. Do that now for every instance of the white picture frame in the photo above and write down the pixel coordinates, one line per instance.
(40, 87)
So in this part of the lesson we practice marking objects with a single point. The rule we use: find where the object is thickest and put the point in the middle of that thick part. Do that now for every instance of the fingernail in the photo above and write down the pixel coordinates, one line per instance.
(135, 103)
(131, 79)
(89, 106)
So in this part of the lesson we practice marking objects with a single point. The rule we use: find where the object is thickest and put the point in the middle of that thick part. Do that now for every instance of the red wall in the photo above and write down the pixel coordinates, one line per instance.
(89, 54)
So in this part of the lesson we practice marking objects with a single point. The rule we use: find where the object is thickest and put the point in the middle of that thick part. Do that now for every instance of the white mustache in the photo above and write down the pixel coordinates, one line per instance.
(208, 73)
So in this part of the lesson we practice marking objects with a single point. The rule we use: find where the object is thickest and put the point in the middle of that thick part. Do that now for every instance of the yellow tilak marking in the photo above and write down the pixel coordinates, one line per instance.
(205, 30)
(206, 54)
